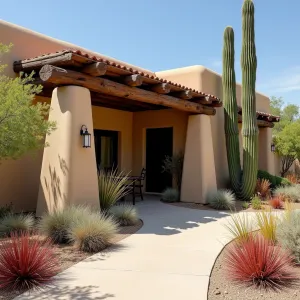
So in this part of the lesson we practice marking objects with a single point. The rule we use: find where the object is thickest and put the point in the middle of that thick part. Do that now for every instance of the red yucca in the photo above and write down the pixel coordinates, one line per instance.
(292, 178)
(263, 187)
(276, 202)
(26, 263)
(257, 262)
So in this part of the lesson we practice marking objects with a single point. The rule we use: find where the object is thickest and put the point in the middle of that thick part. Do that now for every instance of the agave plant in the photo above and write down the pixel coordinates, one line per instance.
(112, 187)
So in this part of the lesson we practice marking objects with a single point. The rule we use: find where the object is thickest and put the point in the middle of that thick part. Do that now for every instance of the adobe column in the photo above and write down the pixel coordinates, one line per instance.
(69, 172)
(199, 176)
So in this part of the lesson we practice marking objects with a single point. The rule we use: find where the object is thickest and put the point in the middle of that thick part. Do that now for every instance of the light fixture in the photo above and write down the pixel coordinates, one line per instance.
(273, 147)
(86, 137)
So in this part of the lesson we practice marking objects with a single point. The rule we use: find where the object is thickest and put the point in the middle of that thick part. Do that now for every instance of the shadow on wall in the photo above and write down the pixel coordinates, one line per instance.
(56, 199)
(66, 292)
(175, 220)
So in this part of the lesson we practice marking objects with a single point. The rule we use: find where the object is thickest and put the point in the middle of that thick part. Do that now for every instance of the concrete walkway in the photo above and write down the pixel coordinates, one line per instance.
(170, 258)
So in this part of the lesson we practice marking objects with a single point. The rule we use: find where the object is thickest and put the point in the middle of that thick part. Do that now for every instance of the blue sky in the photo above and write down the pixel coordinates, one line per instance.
(166, 34)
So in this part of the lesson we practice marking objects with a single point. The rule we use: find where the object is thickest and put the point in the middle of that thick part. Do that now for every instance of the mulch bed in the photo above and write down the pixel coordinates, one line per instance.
(68, 255)
(221, 288)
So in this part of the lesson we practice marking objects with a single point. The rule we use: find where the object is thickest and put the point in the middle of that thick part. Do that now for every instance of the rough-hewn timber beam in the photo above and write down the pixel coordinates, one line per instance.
(187, 94)
(95, 69)
(203, 100)
(133, 80)
(61, 76)
(161, 88)
(260, 123)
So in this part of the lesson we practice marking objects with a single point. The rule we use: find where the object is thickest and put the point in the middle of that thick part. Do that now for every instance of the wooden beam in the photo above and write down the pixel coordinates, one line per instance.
(61, 76)
(260, 123)
(161, 88)
(203, 100)
(95, 69)
(187, 94)
(133, 80)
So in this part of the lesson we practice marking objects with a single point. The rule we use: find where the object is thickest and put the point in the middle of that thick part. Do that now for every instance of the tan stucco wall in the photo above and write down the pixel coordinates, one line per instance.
(204, 79)
(156, 119)
(121, 121)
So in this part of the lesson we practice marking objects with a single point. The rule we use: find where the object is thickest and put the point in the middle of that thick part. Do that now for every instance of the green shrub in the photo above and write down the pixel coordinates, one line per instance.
(288, 234)
(112, 187)
(274, 180)
(221, 199)
(94, 233)
(256, 202)
(170, 195)
(290, 193)
(245, 205)
(17, 224)
(125, 215)
(56, 225)
(5, 210)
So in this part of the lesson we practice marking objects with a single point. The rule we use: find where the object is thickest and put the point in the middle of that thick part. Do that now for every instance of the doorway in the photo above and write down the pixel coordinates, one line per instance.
(106, 148)
(159, 144)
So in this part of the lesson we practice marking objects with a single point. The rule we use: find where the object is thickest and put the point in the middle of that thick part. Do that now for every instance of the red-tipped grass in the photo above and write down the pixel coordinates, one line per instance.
(26, 263)
(263, 188)
(276, 202)
(259, 263)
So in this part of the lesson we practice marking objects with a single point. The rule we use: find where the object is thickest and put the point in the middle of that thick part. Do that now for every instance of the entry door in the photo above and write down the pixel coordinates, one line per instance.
(159, 143)
(106, 148)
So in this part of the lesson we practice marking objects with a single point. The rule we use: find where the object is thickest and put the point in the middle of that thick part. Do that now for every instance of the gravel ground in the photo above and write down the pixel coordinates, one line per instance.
(221, 288)
(69, 255)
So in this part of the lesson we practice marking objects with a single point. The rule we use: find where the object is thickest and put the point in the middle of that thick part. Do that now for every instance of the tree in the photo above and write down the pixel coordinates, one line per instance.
(23, 124)
(287, 143)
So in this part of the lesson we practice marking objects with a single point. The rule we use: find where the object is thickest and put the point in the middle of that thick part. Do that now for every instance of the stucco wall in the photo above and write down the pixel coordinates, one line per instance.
(203, 79)
(121, 121)
(156, 119)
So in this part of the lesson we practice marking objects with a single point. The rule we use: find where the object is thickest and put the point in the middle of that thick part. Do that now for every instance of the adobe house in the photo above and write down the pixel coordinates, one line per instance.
(135, 118)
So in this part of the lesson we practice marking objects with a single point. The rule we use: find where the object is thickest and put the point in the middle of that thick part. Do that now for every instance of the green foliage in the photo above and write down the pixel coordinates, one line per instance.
(290, 193)
(23, 125)
(243, 186)
(256, 203)
(16, 224)
(6, 210)
(174, 166)
(221, 199)
(125, 215)
(282, 181)
(56, 225)
(94, 233)
(170, 195)
(112, 187)
(245, 205)
(288, 234)
(274, 180)
(267, 223)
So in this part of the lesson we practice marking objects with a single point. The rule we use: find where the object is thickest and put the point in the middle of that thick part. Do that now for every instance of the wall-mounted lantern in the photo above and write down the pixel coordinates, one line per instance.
(273, 147)
(86, 137)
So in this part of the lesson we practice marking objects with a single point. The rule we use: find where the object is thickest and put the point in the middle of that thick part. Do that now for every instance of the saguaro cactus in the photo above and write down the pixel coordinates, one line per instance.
(244, 186)
(231, 110)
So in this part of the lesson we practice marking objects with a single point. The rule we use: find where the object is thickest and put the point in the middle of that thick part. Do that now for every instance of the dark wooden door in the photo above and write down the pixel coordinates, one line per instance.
(159, 143)
(106, 148)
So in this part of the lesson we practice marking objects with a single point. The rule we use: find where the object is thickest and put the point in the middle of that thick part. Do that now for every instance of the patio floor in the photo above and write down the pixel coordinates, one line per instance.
(169, 258)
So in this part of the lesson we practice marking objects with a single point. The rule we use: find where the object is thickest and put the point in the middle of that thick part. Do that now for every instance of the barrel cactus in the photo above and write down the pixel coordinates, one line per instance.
(243, 185)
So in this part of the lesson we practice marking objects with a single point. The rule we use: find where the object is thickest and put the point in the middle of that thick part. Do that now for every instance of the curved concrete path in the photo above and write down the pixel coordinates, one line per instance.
(170, 258)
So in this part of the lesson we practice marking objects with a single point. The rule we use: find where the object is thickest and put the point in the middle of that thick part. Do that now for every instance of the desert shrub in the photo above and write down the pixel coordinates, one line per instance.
(56, 225)
(174, 166)
(274, 180)
(263, 187)
(6, 210)
(257, 262)
(125, 215)
(256, 203)
(112, 187)
(170, 195)
(94, 233)
(221, 199)
(290, 193)
(239, 227)
(288, 234)
(26, 263)
(276, 202)
(245, 205)
(292, 178)
(267, 223)
(12, 223)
